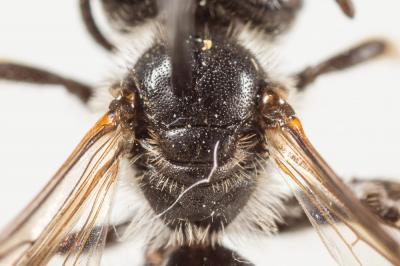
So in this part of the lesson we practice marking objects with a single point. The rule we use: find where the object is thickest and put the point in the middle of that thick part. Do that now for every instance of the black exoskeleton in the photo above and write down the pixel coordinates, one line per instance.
(215, 114)
(197, 94)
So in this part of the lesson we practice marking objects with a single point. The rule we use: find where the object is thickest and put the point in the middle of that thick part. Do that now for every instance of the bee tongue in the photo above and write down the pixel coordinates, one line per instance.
(180, 26)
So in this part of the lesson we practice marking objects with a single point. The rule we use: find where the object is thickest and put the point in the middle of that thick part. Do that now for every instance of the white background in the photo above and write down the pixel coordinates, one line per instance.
(351, 117)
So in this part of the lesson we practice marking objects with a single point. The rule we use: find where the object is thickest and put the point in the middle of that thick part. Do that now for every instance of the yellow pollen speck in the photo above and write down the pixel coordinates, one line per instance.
(207, 45)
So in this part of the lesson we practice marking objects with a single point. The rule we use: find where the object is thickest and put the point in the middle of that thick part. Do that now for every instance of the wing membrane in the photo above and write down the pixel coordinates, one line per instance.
(343, 223)
(67, 222)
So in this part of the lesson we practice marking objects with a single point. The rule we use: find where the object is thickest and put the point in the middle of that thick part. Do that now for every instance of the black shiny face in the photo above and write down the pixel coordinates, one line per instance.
(208, 132)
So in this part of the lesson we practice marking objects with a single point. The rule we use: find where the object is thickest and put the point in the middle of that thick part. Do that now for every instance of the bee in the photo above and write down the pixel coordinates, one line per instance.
(194, 129)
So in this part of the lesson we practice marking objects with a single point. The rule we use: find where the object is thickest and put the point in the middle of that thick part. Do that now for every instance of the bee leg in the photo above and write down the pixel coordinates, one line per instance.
(91, 26)
(112, 238)
(22, 73)
(157, 257)
(381, 197)
(196, 256)
(352, 57)
(294, 217)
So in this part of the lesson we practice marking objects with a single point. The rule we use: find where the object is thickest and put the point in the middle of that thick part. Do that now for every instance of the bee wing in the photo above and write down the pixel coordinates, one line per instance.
(67, 222)
(346, 227)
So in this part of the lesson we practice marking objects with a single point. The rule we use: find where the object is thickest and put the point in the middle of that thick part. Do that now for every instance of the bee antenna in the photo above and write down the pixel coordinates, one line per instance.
(347, 7)
(180, 26)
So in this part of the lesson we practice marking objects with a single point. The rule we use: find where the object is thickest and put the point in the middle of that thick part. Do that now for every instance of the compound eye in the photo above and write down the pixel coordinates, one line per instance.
(125, 14)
